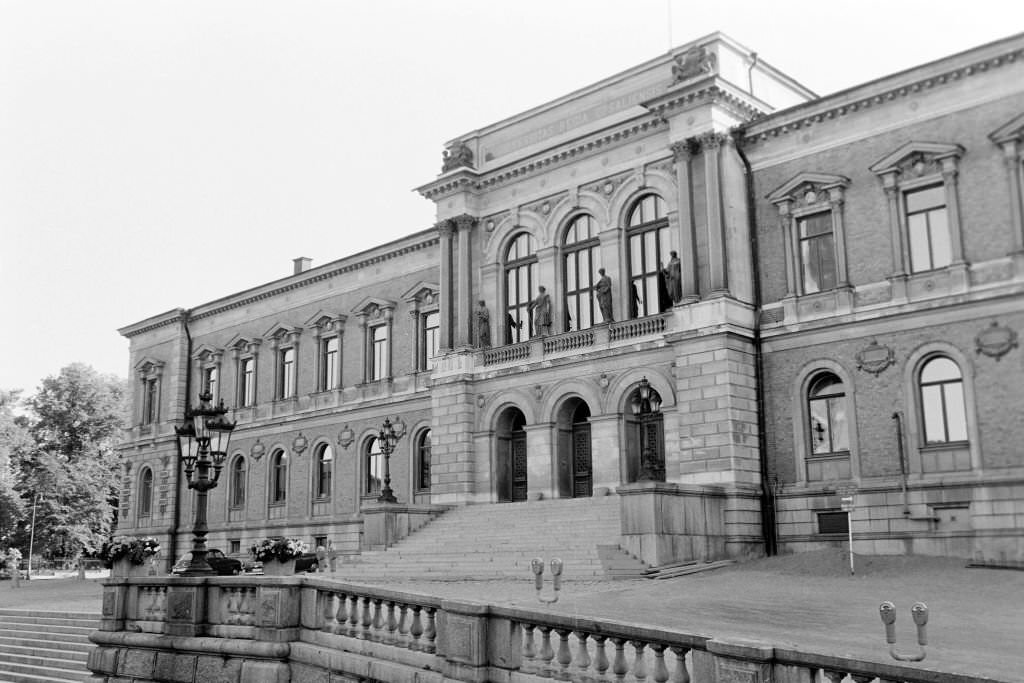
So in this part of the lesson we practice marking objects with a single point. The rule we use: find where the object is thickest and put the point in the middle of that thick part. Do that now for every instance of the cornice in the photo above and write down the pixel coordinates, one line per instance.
(555, 156)
(871, 95)
(713, 90)
(150, 324)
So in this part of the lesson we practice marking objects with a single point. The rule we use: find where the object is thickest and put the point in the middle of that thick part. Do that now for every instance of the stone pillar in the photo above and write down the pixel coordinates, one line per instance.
(452, 454)
(462, 640)
(464, 335)
(898, 238)
(539, 452)
(682, 153)
(605, 446)
(444, 231)
(711, 145)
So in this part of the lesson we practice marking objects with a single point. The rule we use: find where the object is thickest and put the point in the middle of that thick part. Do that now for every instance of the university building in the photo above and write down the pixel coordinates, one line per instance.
(817, 297)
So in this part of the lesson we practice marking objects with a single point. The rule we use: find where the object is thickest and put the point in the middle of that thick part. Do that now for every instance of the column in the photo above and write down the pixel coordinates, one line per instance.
(444, 230)
(1013, 171)
(949, 179)
(835, 199)
(711, 145)
(900, 253)
(786, 223)
(540, 451)
(416, 352)
(319, 381)
(682, 153)
(464, 223)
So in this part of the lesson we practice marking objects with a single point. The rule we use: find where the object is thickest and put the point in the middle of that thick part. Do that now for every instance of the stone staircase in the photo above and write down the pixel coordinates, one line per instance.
(45, 647)
(499, 541)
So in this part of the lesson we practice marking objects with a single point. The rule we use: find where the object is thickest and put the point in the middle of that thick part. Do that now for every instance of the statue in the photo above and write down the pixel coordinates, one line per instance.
(603, 288)
(458, 156)
(483, 326)
(634, 301)
(541, 307)
(694, 62)
(511, 324)
(674, 278)
(664, 300)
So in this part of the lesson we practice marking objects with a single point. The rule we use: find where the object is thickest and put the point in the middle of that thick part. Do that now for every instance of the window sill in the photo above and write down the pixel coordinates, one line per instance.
(829, 456)
(944, 446)
(279, 504)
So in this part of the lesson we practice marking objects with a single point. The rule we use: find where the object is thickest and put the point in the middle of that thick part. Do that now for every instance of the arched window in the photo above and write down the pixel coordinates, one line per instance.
(826, 405)
(278, 478)
(520, 280)
(146, 493)
(237, 482)
(324, 471)
(373, 462)
(579, 249)
(943, 412)
(421, 468)
(648, 255)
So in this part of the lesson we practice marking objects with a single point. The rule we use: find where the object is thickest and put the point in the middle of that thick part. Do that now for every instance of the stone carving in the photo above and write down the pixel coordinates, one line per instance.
(483, 325)
(995, 341)
(108, 604)
(604, 381)
(179, 606)
(541, 309)
(269, 608)
(674, 278)
(257, 450)
(458, 156)
(697, 61)
(603, 290)
(875, 358)
(538, 391)
(299, 444)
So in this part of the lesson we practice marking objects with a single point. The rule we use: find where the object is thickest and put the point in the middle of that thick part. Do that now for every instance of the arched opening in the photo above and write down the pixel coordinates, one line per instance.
(510, 456)
(573, 453)
(645, 435)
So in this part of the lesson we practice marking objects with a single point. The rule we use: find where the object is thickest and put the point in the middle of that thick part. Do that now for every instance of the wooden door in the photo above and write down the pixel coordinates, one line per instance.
(582, 462)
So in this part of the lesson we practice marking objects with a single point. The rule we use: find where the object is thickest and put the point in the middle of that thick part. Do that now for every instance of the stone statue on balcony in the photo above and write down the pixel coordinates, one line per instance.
(541, 309)
(483, 325)
(674, 278)
(603, 290)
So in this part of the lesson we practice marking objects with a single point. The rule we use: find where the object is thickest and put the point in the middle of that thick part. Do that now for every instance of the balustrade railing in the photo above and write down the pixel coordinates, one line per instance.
(640, 327)
(401, 620)
(570, 341)
(507, 354)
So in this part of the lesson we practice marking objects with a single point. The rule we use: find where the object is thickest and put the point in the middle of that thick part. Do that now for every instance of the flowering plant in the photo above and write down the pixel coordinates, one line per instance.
(280, 549)
(135, 550)
(12, 558)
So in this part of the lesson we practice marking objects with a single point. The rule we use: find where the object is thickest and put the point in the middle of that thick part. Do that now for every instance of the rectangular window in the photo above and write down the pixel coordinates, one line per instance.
(149, 401)
(379, 353)
(431, 339)
(817, 252)
(329, 364)
(235, 546)
(319, 542)
(287, 373)
(374, 473)
(248, 390)
(928, 229)
(210, 382)
(833, 522)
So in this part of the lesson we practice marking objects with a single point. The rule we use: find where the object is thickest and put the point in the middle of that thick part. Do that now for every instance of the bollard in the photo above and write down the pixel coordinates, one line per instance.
(919, 613)
(537, 566)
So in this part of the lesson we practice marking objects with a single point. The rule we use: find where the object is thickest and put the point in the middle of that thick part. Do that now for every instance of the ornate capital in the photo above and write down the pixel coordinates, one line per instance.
(684, 151)
(463, 221)
(444, 228)
(713, 140)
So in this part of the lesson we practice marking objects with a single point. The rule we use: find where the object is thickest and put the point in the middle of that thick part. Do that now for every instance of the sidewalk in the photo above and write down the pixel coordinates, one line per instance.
(807, 601)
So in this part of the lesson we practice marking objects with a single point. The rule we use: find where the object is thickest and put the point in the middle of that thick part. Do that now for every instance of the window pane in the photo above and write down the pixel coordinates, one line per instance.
(820, 435)
(571, 283)
(934, 422)
(636, 252)
(922, 200)
(816, 224)
(956, 413)
(810, 263)
(827, 261)
(939, 370)
(840, 428)
(938, 223)
(920, 255)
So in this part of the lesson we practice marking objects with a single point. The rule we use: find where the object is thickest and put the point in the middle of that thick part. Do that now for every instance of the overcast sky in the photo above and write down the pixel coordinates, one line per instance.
(156, 155)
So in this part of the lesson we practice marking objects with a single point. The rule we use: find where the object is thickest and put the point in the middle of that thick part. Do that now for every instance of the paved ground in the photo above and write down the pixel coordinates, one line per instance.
(809, 601)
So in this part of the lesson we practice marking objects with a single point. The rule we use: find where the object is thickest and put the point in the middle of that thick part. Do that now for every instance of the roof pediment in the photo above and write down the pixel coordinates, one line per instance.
(421, 290)
(279, 330)
(204, 352)
(931, 151)
(240, 342)
(372, 304)
(325, 320)
(1011, 130)
(148, 364)
(807, 181)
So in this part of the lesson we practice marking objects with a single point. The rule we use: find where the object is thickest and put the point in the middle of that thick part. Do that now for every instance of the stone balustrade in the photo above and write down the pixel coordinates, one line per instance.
(253, 629)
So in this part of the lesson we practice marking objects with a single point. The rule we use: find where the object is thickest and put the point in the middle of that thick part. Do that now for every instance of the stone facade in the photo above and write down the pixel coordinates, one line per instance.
(798, 262)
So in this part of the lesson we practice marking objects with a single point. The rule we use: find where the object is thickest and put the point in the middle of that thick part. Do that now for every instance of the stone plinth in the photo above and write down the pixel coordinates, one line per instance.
(664, 522)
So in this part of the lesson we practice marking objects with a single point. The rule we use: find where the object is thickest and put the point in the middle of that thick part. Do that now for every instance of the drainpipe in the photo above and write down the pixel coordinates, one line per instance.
(768, 529)
(750, 72)
(898, 416)
(173, 542)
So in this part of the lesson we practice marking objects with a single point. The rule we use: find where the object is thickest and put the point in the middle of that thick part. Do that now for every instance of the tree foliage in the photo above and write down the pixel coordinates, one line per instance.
(14, 440)
(68, 467)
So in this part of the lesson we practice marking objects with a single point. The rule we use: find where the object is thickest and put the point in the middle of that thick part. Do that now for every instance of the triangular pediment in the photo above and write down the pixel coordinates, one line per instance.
(807, 181)
(372, 305)
(147, 364)
(205, 352)
(1011, 130)
(915, 152)
(423, 292)
(325, 319)
(279, 330)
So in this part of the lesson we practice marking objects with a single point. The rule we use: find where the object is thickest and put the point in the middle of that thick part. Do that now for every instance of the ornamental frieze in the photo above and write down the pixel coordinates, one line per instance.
(607, 186)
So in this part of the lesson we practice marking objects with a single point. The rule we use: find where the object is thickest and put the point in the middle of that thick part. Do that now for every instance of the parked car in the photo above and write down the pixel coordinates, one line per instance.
(221, 563)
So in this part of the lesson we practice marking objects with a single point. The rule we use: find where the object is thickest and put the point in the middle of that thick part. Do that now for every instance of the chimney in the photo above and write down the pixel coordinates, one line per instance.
(302, 264)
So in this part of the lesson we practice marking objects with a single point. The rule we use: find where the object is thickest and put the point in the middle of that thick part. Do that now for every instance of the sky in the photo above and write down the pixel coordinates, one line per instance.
(156, 155)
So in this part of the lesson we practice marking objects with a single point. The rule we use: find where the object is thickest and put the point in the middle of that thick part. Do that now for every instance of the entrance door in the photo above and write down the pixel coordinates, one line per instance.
(582, 468)
(518, 463)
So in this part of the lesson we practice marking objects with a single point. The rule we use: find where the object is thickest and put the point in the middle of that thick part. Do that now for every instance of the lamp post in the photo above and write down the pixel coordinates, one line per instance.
(646, 405)
(389, 435)
(202, 444)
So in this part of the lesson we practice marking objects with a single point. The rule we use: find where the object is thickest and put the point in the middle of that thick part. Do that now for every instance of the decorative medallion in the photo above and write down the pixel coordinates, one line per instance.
(995, 341)
(608, 187)
(299, 444)
(603, 381)
(345, 437)
(257, 450)
(538, 391)
(875, 358)
(489, 226)
(480, 400)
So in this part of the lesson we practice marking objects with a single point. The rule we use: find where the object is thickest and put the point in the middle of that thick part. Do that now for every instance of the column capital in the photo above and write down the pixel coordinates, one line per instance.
(684, 150)
(444, 227)
(713, 140)
(463, 221)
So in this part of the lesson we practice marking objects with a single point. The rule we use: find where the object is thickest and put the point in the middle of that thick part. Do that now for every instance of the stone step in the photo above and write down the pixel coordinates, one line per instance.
(23, 639)
(18, 672)
(45, 647)
(46, 628)
(30, 653)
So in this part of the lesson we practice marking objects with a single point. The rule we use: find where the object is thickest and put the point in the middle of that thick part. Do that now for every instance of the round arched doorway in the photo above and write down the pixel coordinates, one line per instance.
(574, 464)
(510, 456)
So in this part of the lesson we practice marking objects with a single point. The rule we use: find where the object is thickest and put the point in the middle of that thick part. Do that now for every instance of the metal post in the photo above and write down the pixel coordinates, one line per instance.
(849, 531)
(31, 540)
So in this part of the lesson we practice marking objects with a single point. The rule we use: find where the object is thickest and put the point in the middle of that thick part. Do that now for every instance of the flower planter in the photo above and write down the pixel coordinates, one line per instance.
(124, 569)
(278, 568)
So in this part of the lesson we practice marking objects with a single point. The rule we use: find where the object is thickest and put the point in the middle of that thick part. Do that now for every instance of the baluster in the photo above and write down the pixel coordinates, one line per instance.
(564, 658)
(404, 638)
(600, 657)
(429, 631)
(529, 651)
(354, 619)
(328, 610)
(639, 665)
(340, 625)
(392, 623)
(680, 674)
(378, 621)
(582, 656)
(417, 628)
(546, 653)
(367, 622)
(835, 676)
(660, 674)
(619, 667)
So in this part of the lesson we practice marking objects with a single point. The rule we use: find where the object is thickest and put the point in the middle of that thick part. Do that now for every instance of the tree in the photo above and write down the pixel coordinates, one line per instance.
(14, 440)
(70, 462)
